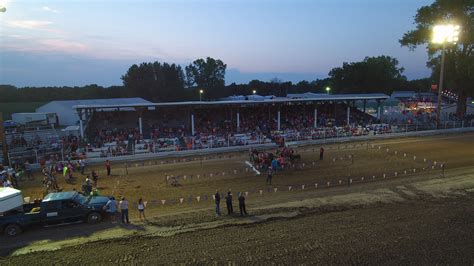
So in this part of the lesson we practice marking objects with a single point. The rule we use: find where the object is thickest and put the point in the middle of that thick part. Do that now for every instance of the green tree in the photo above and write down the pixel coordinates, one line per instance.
(459, 68)
(155, 81)
(373, 74)
(209, 75)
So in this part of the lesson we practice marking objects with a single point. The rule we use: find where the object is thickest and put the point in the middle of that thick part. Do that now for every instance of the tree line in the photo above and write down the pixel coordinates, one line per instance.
(165, 82)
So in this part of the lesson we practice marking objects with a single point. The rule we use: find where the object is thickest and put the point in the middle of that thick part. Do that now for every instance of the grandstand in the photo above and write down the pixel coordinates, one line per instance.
(114, 128)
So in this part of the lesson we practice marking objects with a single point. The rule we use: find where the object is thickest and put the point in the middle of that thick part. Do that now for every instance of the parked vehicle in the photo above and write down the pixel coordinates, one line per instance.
(54, 209)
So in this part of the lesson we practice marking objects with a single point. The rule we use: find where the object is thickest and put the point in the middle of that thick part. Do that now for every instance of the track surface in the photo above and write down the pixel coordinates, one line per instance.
(421, 218)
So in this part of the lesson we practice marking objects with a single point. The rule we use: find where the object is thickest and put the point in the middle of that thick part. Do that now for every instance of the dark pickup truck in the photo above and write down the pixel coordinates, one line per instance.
(56, 208)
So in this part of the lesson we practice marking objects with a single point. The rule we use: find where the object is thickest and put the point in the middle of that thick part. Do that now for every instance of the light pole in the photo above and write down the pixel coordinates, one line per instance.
(443, 34)
(200, 95)
(328, 89)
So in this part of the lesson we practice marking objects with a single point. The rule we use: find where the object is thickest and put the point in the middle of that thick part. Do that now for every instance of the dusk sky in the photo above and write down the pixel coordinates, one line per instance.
(74, 43)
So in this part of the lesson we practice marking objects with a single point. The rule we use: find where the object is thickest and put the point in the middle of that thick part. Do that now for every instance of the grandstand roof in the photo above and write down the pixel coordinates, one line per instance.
(112, 101)
(314, 98)
(68, 116)
(403, 94)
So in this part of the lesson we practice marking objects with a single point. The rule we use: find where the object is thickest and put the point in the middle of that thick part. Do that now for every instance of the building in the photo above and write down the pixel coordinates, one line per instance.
(67, 115)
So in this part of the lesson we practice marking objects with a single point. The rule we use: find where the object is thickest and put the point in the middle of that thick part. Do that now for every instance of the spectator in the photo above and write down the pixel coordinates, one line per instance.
(111, 208)
(107, 166)
(218, 202)
(87, 187)
(242, 204)
(123, 204)
(141, 209)
(95, 178)
(321, 153)
(228, 201)
(269, 176)
(29, 170)
(82, 165)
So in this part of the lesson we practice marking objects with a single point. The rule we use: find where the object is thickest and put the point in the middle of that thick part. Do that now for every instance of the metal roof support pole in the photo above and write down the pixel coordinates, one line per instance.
(81, 125)
(278, 119)
(192, 124)
(315, 117)
(365, 105)
(348, 115)
(379, 115)
(238, 121)
(140, 125)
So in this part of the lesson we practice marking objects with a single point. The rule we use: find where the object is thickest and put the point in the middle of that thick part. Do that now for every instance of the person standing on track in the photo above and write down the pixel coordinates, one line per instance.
(321, 154)
(82, 165)
(242, 204)
(107, 166)
(228, 201)
(218, 202)
(141, 209)
(123, 204)
(269, 176)
(111, 209)
(29, 170)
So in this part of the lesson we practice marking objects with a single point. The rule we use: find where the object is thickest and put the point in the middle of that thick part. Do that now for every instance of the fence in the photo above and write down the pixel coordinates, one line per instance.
(137, 153)
(427, 166)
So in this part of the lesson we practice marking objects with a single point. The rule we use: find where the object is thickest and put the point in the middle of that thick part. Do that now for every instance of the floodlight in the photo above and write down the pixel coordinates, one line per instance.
(447, 33)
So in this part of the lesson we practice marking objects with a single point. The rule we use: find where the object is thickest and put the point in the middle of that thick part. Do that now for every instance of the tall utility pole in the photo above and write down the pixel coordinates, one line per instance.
(440, 88)
(443, 34)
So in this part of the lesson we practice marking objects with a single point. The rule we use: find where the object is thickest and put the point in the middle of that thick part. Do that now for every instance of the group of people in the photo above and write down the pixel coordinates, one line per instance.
(229, 204)
(282, 158)
(10, 176)
(111, 207)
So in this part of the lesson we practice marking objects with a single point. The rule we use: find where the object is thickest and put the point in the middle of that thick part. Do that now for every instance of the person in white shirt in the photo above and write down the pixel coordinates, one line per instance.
(141, 209)
(123, 205)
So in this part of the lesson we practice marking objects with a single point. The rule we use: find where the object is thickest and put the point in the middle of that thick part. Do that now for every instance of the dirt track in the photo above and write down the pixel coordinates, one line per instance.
(420, 218)
(417, 232)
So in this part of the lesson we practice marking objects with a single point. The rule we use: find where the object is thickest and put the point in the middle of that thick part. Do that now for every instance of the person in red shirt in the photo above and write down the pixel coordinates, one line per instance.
(107, 166)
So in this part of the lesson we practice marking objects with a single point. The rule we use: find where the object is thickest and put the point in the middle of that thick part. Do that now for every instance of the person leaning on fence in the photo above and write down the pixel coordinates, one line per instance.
(111, 208)
(228, 202)
(218, 202)
(243, 211)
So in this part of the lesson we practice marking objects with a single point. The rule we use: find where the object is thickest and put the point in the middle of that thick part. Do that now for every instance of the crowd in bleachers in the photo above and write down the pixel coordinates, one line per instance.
(217, 128)
(117, 133)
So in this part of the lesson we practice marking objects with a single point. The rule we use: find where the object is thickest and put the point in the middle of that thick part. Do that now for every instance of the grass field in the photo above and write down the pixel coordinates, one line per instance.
(7, 109)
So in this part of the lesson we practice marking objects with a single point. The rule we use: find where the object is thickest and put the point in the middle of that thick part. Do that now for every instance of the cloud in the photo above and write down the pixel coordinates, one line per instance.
(49, 9)
(29, 24)
(63, 46)
(60, 46)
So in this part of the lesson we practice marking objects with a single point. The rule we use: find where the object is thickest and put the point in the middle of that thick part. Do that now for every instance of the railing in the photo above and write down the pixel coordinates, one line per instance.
(213, 143)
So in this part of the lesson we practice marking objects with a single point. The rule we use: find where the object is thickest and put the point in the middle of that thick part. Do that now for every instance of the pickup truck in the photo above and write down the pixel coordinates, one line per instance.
(54, 209)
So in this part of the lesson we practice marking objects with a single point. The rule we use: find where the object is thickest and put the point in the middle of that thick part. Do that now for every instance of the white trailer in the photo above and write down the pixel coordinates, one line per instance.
(37, 118)
(10, 199)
